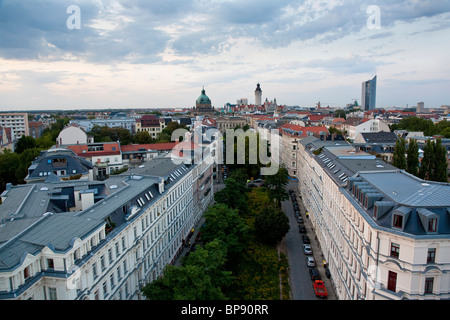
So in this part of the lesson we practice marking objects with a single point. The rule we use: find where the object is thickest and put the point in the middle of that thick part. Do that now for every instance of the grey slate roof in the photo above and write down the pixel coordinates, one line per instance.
(34, 228)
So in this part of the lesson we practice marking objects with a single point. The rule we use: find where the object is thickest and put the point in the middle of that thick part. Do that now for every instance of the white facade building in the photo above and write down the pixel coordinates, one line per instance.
(18, 122)
(371, 126)
(72, 134)
(116, 236)
(385, 234)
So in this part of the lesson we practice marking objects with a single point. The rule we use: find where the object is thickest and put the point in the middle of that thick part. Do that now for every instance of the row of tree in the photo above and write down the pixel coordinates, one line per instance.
(428, 127)
(235, 261)
(434, 162)
(107, 134)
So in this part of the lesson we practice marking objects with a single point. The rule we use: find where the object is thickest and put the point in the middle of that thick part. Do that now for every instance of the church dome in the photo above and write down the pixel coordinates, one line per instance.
(203, 99)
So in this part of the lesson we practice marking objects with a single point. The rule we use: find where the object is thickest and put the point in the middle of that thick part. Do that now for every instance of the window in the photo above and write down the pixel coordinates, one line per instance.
(102, 262)
(429, 285)
(26, 273)
(110, 256)
(50, 264)
(105, 290)
(432, 225)
(398, 221)
(117, 249)
(431, 255)
(94, 271)
(123, 243)
(52, 294)
(395, 250)
(392, 281)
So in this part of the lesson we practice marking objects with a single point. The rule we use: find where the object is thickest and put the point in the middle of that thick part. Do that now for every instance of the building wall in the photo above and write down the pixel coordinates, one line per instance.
(18, 122)
(358, 251)
(289, 147)
(71, 135)
(115, 265)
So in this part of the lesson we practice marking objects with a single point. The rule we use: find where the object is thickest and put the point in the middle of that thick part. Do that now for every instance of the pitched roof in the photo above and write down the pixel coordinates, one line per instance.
(379, 137)
(154, 146)
(109, 148)
(302, 132)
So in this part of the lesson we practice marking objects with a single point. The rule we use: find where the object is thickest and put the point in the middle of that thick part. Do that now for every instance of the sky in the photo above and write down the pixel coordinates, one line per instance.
(80, 54)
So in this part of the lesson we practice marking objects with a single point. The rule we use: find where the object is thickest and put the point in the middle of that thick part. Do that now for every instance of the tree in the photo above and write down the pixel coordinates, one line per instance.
(142, 137)
(24, 143)
(276, 184)
(258, 199)
(399, 159)
(340, 114)
(225, 224)
(412, 161)
(271, 225)
(440, 164)
(9, 164)
(426, 170)
(201, 278)
(416, 124)
(234, 195)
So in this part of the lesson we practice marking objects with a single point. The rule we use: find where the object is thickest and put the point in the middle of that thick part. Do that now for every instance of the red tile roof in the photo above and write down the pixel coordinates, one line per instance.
(153, 146)
(301, 132)
(108, 149)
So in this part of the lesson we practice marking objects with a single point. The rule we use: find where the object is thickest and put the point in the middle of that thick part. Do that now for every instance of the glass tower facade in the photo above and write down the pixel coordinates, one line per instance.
(369, 94)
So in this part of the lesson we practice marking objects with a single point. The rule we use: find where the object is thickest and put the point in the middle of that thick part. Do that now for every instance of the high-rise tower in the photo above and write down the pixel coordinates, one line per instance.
(369, 94)
(258, 95)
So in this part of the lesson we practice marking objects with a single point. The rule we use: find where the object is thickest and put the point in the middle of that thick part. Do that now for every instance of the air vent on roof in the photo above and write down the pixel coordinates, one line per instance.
(113, 187)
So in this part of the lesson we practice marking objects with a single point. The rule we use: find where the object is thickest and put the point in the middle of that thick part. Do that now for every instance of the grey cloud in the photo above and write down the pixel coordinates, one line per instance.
(351, 65)
(37, 29)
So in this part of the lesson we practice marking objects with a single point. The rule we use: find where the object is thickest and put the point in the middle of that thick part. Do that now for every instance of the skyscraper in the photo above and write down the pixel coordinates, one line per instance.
(369, 94)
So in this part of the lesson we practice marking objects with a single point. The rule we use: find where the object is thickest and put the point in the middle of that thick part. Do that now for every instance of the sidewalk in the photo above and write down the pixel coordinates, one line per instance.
(187, 248)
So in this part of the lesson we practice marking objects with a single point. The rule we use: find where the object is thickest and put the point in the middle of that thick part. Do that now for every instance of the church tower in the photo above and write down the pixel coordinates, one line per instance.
(258, 95)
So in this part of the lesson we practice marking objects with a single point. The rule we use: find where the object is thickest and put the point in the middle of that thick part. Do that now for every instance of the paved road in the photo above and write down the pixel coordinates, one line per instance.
(301, 284)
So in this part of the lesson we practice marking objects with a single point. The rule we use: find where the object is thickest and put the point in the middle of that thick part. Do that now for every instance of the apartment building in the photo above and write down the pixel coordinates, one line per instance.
(384, 234)
(153, 125)
(92, 240)
(128, 123)
(18, 122)
(106, 157)
(290, 136)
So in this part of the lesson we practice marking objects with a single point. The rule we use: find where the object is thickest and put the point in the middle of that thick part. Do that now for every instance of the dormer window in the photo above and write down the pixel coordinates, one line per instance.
(429, 219)
(400, 217)
(432, 225)
(397, 221)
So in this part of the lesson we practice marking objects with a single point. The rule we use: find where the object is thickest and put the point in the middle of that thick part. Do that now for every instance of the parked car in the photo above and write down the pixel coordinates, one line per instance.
(319, 288)
(301, 229)
(307, 249)
(328, 273)
(314, 274)
(310, 262)
(305, 239)
(300, 220)
(297, 213)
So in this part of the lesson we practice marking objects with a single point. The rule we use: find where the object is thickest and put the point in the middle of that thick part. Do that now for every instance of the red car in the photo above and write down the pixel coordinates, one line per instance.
(319, 288)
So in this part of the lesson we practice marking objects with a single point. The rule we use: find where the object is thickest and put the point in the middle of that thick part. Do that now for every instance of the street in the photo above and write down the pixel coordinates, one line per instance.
(300, 281)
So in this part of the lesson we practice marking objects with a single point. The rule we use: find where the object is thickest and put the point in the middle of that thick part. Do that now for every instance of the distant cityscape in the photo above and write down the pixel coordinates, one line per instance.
(99, 220)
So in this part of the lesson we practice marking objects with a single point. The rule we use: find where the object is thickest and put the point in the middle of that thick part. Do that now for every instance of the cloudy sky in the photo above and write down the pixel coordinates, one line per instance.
(148, 54)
